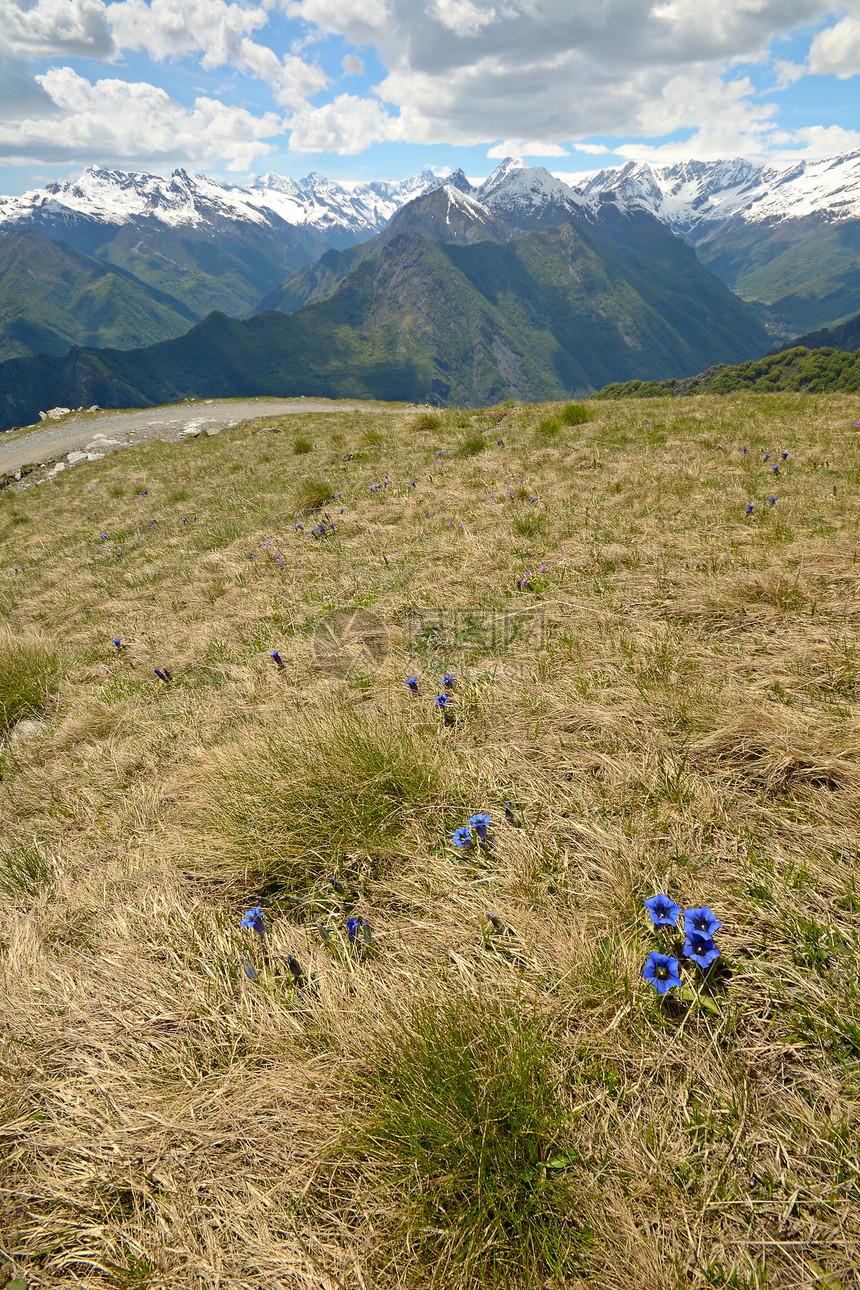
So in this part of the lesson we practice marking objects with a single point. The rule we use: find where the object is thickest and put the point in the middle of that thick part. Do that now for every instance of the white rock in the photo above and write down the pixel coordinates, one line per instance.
(74, 457)
(54, 414)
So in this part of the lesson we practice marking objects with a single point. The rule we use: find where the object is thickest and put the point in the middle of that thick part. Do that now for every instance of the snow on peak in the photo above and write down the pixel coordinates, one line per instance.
(691, 194)
(505, 169)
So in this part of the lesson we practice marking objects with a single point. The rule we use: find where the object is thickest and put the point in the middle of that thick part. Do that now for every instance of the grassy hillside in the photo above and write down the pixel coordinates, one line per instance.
(807, 271)
(798, 369)
(417, 1064)
(52, 297)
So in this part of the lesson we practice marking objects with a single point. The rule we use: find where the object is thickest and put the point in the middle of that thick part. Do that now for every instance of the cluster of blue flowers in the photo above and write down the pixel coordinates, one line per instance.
(480, 822)
(447, 682)
(766, 456)
(700, 924)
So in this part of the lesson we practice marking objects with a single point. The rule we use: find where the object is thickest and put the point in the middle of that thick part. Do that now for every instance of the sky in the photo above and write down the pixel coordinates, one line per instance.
(361, 89)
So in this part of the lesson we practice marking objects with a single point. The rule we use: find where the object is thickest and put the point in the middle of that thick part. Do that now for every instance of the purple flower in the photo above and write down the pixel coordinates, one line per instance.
(702, 920)
(773, 500)
(463, 838)
(449, 680)
(352, 925)
(254, 920)
(116, 641)
(701, 949)
(412, 682)
(750, 508)
(279, 662)
(480, 823)
(663, 971)
(442, 700)
(664, 912)
(785, 456)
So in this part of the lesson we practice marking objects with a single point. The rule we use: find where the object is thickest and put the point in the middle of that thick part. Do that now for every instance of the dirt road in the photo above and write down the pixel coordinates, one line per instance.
(89, 435)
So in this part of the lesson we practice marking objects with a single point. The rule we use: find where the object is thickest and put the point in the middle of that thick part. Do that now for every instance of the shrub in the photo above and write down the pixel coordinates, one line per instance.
(290, 803)
(29, 676)
(464, 1116)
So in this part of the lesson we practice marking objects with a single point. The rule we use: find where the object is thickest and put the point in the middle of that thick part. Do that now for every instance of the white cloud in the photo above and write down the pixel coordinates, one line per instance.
(469, 72)
(219, 33)
(826, 141)
(120, 123)
(352, 65)
(462, 17)
(786, 73)
(48, 27)
(523, 148)
(347, 125)
(836, 50)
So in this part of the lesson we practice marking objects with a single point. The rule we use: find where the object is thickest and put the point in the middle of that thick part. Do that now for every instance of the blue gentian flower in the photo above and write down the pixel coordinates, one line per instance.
(276, 656)
(702, 920)
(775, 469)
(480, 823)
(701, 949)
(116, 641)
(750, 508)
(664, 912)
(785, 455)
(463, 838)
(412, 682)
(449, 680)
(745, 451)
(442, 700)
(254, 920)
(773, 500)
(352, 925)
(299, 528)
(663, 971)
(766, 457)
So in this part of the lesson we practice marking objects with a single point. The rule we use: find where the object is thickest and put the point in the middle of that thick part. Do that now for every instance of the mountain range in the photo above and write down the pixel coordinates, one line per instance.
(427, 288)
(529, 294)
(787, 239)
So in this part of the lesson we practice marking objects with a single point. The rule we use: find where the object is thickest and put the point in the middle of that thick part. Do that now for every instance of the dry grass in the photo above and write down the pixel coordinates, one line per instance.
(676, 709)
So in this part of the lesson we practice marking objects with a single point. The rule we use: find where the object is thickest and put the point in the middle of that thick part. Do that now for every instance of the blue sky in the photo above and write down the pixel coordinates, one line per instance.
(381, 88)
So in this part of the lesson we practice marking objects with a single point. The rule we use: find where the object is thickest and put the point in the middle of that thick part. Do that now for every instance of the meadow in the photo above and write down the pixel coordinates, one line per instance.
(264, 1024)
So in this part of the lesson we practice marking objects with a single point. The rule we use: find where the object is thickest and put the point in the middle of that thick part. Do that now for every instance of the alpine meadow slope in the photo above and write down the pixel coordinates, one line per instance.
(274, 1012)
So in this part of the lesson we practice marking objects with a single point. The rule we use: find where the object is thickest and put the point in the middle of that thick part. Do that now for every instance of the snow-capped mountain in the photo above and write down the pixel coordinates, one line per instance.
(348, 211)
(693, 194)
(448, 214)
(528, 195)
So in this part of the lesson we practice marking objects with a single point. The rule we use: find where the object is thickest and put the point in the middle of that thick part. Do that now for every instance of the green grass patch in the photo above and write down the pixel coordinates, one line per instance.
(291, 803)
(24, 870)
(470, 1129)
(29, 678)
(311, 495)
(576, 414)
